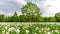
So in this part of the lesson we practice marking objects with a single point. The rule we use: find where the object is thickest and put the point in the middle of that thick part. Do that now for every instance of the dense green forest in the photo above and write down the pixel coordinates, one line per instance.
(30, 13)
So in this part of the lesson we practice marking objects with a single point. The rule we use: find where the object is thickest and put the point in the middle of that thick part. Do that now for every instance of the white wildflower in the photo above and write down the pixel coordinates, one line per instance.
(10, 29)
(35, 33)
(3, 31)
(57, 31)
(25, 26)
(7, 32)
(48, 29)
(45, 31)
(48, 33)
(37, 28)
(42, 29)
(27, 31)
(52, 31)
(6, 27)
(17, 30)
(13, 28)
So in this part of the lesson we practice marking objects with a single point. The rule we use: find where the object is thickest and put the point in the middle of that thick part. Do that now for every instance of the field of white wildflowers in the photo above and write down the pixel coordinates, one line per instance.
(29, 28)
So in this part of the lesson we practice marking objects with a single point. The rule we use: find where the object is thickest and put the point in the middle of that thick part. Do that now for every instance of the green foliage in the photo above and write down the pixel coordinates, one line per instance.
(30, 9)
(52, 19)
(57, 16)
(22, 18)
(30, 13)
(46, 19)
(2, 18)
(13, 18)
(15, 14)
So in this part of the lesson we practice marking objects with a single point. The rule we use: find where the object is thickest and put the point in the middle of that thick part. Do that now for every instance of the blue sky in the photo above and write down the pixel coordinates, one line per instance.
(47, 7)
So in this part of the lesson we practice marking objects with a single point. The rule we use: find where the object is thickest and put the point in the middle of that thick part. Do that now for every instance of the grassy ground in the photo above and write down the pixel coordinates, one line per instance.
(29, 28)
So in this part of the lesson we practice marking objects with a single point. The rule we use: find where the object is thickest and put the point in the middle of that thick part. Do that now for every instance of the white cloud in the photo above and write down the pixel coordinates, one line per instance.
(21, 2)
(51, 7)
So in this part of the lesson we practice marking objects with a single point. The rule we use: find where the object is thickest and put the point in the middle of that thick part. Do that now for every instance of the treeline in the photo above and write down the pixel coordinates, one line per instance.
(30, 13)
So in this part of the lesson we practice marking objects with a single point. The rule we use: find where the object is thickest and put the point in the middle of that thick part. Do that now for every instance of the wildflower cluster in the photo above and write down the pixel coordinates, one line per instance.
(29, 28)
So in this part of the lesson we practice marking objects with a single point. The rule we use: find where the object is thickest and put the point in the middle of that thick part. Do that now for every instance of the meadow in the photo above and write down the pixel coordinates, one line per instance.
(29, 28)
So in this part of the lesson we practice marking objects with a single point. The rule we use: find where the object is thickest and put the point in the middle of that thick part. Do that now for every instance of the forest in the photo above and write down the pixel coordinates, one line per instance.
(30, 13)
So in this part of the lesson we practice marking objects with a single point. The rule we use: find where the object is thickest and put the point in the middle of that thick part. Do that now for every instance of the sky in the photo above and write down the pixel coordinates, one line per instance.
(48, 7)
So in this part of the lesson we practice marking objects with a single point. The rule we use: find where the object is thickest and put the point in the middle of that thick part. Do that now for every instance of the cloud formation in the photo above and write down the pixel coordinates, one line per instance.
(21, 2)
(51, 7)
(47, 7)
(8, 7)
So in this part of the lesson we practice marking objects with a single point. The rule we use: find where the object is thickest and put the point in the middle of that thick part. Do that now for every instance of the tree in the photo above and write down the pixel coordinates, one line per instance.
(30, 10)
(13, 18)
(41, 19)
(57, 16)
(15, 14)
(2, 18)
(23, 18)
(8, 19)
(46, 19)
(52, 19)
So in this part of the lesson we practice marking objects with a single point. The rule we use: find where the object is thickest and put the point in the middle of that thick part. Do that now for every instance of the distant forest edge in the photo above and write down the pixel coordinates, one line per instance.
(30, 13)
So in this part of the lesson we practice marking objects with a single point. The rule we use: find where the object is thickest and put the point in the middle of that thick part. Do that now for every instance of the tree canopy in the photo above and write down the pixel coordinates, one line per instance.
(30, 9)
(57, 15)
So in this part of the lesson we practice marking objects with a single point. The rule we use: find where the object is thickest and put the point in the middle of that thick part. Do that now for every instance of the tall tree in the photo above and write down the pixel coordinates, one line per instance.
(15, 14)
(15, 18)
(30, 9)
